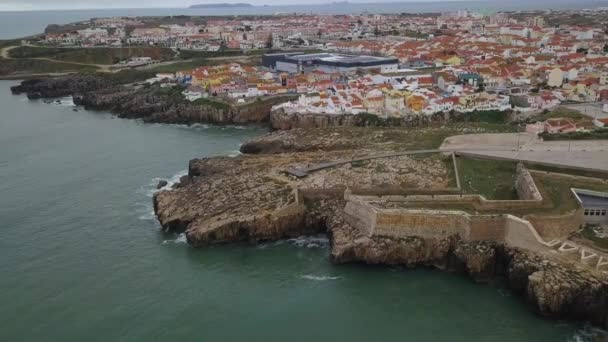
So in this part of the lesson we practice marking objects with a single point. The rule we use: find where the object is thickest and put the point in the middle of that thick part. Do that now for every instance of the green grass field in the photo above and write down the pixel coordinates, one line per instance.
(494, 180)
(101, 55)
(34, 66)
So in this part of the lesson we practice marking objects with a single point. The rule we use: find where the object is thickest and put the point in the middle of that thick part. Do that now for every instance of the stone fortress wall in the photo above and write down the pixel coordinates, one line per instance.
(532, 231)
(364, 210)
(506, 228)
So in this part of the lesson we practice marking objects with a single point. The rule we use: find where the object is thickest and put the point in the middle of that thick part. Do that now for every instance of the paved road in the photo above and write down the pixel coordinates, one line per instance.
(590, 155)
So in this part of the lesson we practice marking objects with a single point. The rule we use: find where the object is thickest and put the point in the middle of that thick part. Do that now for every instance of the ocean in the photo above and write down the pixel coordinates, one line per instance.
(82, 257)
(20, 24)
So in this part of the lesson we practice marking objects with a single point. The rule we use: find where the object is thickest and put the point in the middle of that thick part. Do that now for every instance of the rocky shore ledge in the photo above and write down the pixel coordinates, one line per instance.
(149, 103)
(250, 198)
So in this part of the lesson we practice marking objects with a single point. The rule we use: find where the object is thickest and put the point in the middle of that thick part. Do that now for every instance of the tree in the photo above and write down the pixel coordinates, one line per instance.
(376, 31)
(269, 41)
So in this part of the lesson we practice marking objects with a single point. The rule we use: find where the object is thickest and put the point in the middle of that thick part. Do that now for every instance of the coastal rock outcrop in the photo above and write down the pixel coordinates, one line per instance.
(61, 86)
(148, 103)
(558, 290)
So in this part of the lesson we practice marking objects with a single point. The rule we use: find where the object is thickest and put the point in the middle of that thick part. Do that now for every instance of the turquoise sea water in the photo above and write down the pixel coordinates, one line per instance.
(82, 257)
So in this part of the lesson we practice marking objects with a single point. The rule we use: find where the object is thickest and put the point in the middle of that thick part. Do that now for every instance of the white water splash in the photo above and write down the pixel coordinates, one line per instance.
(151, 187)
(145, 209)
(179, 239)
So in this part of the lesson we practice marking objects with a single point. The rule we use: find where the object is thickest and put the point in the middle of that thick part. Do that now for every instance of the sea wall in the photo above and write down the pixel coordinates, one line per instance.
(441, 224)
(422, 223)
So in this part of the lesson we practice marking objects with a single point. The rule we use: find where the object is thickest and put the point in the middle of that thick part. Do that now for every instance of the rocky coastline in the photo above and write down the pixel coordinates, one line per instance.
(148, 103)
(153, 104)
(249, 198)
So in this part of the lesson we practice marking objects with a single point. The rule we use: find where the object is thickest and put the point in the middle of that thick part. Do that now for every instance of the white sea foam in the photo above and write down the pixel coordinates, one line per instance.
(179, 239)
(234, 153)
(148, 216)
(145, 207)
(318, 278)
(587, 334)
(67, 101)
(151, 188)
(317, 241)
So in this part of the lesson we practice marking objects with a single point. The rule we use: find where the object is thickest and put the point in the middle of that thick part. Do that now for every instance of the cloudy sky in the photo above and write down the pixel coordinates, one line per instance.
(15, 5)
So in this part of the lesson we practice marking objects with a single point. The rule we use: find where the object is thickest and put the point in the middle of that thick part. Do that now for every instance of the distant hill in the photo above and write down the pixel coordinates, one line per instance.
(220, 5)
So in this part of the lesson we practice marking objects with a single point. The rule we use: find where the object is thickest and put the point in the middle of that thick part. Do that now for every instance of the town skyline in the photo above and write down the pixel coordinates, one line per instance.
(35, 5)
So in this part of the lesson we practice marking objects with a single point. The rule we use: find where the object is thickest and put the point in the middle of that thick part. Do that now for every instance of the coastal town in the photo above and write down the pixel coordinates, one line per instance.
(470, 142)
(385, 65)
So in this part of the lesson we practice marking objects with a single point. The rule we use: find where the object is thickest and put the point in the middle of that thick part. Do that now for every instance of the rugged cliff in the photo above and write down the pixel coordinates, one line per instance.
(281, 120)
(149, 103)
(61, 86)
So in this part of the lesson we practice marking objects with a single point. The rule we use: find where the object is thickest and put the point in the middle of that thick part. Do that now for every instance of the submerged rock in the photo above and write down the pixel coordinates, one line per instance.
(161, 184)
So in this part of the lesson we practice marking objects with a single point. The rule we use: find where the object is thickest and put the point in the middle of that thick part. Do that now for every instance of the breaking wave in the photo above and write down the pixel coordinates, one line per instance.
(318, 278)
(179, 239)
(144, 208)
(150, 189)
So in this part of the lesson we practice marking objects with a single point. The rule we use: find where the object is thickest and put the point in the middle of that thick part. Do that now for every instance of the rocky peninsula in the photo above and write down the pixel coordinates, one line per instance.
(253, 198)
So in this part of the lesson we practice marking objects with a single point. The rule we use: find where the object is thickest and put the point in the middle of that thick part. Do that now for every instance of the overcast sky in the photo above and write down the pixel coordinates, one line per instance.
(15, 5)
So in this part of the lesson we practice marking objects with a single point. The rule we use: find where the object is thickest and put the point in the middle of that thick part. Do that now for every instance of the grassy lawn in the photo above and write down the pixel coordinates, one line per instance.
(102, 55)
(561, 112)
(34, 66)
(182, 66)
(126, 76)
(489, 116)
(212, 103)
(557, 198)
(491, 179)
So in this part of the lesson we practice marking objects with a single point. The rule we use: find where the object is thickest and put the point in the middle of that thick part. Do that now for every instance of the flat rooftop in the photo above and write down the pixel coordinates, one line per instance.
(340, 58)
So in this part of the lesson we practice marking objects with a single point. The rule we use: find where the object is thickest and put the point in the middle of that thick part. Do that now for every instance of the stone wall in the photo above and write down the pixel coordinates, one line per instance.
(421, 223)
(520, 233)
(557, 226)
(361, 216)
(440, 224)
(525, 185)
(486, 228)
(477, 201)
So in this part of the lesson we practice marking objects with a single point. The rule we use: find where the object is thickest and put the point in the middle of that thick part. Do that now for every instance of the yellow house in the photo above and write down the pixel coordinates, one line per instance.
(416, 103)
(454, 60)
